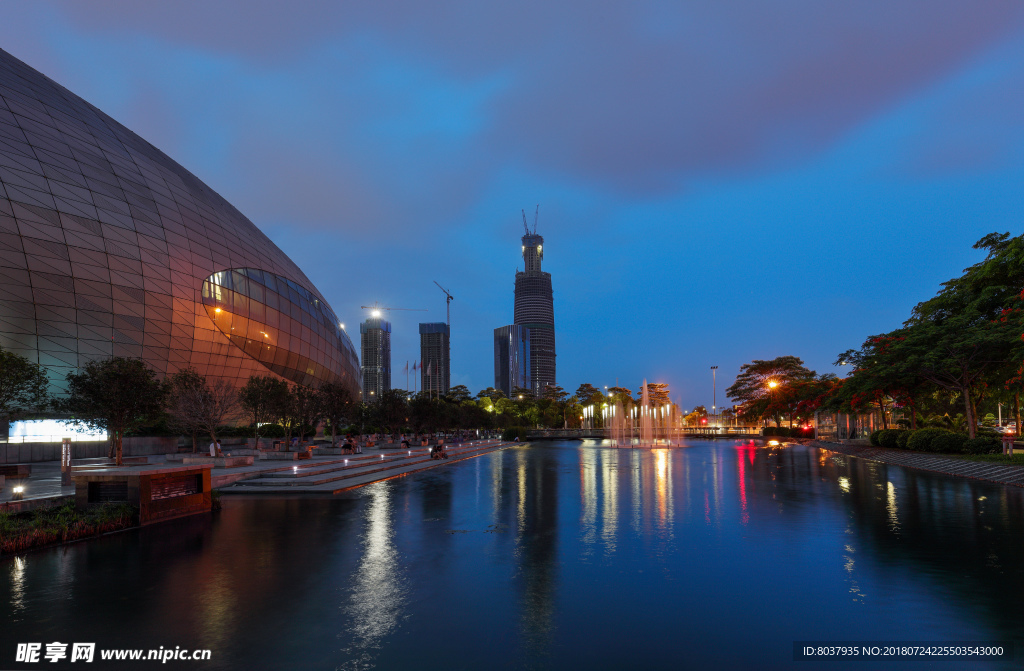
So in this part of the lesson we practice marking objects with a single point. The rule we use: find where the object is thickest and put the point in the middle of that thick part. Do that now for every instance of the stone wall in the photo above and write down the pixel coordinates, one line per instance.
(24, 453)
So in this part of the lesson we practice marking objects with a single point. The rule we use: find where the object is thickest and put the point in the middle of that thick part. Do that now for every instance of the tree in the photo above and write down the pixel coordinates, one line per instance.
(264, 399)
(458, 394)
(305, 410)
(620, 395)
(657, 393)
(337, 403)
(184, 398)
(553, 392)
(392, 409)
(588, 394)
(491, 393)
(115, 395)
(23, 386)
(758, 381)
(218, 406)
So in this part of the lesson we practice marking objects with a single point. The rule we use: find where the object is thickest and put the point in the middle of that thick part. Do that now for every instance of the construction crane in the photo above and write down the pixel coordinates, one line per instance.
(447, 304)
(377, 307)
(526, 226)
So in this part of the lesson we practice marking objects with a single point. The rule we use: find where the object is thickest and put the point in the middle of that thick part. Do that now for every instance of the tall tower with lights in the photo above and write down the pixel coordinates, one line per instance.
(375, 334)
(534, 309)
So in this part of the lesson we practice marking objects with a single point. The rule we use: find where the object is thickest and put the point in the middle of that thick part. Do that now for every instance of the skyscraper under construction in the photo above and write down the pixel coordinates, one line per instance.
(534, 309)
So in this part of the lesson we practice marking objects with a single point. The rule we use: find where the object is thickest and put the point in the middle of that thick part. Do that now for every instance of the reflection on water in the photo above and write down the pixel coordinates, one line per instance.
(378, 592)
(552, 556)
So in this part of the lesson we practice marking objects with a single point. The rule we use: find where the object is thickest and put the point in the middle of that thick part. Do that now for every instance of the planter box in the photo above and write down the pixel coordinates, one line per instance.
(325, 451)
(160, 493)
(16, 471)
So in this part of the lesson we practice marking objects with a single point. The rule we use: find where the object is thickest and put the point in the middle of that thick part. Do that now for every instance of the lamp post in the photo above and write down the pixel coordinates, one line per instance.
(772, 384)
(714, 393)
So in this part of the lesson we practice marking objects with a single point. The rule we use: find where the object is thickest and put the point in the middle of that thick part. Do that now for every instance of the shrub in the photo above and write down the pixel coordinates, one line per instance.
(891, 437)
(768, 431)
(921, 440)
(799, 432)
(950, 443)
(983, 445)
(513, 432)
(901, 440)
(873, 438)
(783, 432)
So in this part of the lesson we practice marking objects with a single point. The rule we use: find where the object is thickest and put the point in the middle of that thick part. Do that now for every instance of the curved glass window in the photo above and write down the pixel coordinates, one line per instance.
(282, 325)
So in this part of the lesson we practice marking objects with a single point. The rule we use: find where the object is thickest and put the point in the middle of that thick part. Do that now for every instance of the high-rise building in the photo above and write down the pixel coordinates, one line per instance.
(534, 309)
(435, 357)
(375, 334)
(511, 358)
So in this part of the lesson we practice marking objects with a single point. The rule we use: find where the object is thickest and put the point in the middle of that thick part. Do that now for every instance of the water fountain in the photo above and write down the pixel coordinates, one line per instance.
(641, 424)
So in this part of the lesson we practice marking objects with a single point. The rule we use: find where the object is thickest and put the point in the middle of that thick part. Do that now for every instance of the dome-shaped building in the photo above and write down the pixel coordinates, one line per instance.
(110, 248)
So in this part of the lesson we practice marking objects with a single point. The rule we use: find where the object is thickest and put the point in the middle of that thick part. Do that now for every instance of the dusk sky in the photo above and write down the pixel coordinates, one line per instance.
(718, 181)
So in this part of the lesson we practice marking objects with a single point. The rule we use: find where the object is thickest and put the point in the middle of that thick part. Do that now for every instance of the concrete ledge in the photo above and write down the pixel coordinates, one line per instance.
(326, 451)
(15, 471)
(32, 504)
(285, 456)
(219, 462)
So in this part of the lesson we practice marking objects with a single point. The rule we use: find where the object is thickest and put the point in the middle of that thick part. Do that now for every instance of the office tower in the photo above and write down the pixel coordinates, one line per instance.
(375, 334)
(435, 354)
(534, 309)
(511, 358)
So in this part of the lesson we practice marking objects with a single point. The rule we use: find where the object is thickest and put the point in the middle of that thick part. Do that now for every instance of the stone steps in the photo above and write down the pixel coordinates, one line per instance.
(332, 478)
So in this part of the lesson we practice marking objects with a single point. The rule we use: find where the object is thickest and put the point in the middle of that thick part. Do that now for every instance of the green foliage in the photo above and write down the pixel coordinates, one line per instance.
(902, 438)
(983, 445)
(890, 437)
(949, 443)
(514, 432)
(874, 438)
(61, 523)
(116, 395)
(921, 440)
(264, 399)
(23, 385)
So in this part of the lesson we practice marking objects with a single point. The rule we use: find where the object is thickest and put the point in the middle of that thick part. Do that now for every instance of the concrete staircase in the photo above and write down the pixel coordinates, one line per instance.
(339, 474)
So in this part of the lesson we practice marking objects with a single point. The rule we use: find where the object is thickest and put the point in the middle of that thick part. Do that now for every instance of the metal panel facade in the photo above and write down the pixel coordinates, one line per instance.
(109, 247)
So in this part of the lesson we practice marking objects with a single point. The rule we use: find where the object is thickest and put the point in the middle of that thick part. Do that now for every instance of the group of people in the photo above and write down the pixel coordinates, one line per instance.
(350, 447)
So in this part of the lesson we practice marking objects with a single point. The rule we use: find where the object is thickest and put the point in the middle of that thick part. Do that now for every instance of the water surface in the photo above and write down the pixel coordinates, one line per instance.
(719, 555)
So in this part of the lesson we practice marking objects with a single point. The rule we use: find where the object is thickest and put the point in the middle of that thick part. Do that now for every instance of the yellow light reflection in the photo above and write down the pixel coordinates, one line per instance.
(844, 484)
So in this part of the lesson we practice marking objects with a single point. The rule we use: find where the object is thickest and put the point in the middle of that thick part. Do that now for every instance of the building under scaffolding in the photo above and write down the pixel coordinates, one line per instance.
(534, 309)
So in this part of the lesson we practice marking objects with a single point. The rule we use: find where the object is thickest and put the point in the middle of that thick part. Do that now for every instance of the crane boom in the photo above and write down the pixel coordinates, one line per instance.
(449, 298)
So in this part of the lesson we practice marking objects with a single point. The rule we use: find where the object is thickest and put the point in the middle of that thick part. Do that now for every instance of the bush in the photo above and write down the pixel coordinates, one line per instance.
(983, 445)
(799, 432)
(513, 432)
(768, 431)
(873, 438)
(921, 440)
(901, 440)
(950, 443)
(890, 437)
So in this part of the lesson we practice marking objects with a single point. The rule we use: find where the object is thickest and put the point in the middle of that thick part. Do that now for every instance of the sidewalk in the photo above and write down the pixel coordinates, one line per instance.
(1000, 473)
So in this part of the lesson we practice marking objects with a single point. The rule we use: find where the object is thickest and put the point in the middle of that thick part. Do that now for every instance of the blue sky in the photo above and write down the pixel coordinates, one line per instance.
(717, 182)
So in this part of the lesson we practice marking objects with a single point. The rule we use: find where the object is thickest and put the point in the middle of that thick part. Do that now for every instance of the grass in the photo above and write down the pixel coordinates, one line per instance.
(1016, 458)
(61, 523)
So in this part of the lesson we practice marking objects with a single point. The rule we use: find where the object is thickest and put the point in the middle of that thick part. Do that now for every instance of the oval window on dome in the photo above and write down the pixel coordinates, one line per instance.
(282, 325)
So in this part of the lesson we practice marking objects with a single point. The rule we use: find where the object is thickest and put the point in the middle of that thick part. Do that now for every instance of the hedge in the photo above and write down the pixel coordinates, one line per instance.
(901, 440)
(950, 443)
(983, 445)
(889, 437)
(873, 438)
(921, 440)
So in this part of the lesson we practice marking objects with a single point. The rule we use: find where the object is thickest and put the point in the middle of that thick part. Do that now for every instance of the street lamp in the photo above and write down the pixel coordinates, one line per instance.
(714, 392)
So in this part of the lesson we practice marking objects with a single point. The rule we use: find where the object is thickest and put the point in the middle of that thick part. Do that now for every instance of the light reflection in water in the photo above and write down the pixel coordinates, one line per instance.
(378, 593)
(610, 497)
(663, 476)
(890, 506)
(18, 584)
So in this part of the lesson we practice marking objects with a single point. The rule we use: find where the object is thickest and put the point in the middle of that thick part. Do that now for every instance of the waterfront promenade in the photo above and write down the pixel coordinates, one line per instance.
(319, 475)
(1006, 474)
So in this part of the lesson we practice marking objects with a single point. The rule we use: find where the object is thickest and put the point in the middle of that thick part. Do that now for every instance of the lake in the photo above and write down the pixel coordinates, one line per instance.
(555, 555)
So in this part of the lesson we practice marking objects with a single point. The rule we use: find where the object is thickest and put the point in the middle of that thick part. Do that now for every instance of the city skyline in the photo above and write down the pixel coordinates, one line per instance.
(808, 161)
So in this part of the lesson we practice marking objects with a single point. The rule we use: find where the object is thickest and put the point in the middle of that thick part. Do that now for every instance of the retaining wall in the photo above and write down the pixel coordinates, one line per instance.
(24, 453)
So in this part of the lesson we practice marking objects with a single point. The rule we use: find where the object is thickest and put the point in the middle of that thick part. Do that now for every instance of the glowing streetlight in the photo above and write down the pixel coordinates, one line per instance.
(772, 384)
(375, 313)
